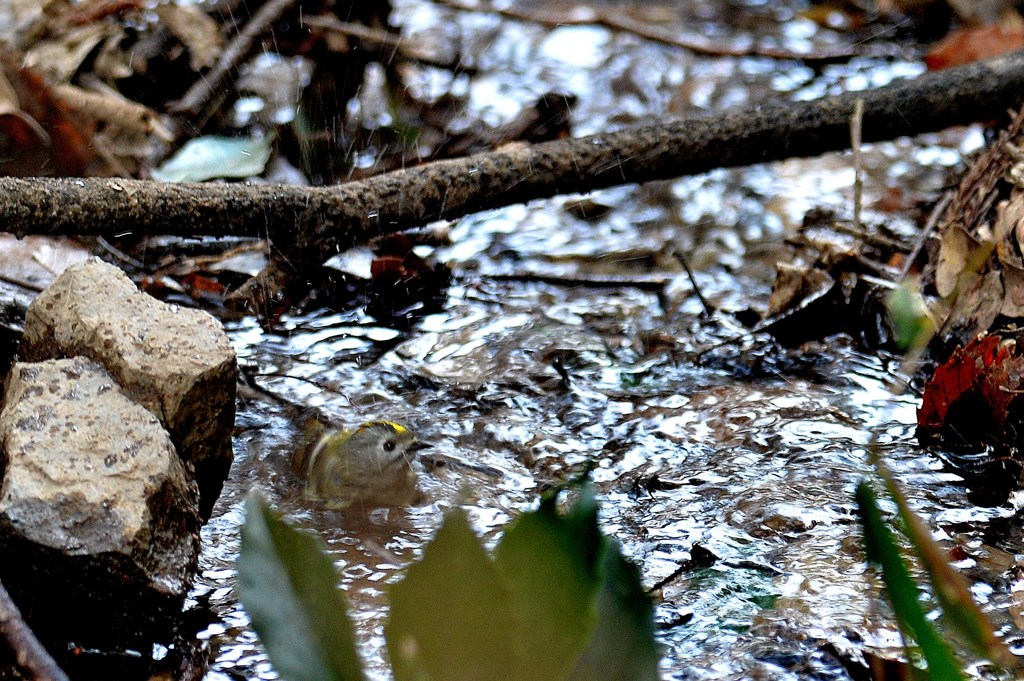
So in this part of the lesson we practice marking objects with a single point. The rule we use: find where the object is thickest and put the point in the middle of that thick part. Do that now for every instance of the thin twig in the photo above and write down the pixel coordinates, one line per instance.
(926, 232)
(307, 225)
(247, 379)
(681, 259)
(869, 237)
(193, 102)
(29, 652)
(324, 220)
(21, 283)
(392, 41)
(616, 21)
(856, 128)
(652, 282)
(120, 255)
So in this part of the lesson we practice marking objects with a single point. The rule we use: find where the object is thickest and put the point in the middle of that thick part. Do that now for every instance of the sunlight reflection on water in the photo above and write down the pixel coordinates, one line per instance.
(750, 457)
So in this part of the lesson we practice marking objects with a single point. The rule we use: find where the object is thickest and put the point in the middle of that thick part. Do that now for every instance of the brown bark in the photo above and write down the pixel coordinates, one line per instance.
(310, 224)
(29, 653)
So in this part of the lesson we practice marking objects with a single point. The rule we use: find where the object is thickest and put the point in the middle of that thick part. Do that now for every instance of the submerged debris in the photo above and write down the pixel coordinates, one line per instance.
(835, 282)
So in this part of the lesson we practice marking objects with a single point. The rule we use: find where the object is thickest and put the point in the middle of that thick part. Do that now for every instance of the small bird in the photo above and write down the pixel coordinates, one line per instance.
(369, 466)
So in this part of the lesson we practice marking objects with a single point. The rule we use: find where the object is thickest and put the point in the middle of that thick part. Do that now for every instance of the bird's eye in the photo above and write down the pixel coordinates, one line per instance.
(389, 445)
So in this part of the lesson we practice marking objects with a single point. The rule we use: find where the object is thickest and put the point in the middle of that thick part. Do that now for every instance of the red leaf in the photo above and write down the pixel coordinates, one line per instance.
(1001, 383)
(393, 268)
(202, 287)
(961, 372)
(67, 150)
(974, 43)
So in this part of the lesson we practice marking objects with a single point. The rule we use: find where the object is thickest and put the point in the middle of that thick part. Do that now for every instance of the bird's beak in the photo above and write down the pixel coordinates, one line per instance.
(417, 445)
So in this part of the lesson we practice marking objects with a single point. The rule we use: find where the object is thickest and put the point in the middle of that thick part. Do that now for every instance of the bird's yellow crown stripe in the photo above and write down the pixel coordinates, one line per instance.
(397, 427)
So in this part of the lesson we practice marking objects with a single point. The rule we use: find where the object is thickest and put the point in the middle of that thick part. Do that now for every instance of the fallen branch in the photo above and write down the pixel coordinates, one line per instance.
(308, 225)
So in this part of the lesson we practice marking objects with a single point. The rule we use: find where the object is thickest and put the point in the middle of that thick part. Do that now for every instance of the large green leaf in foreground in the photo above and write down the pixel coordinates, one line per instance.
(558, 602)
(551, 564)
(288, 586)
(451, 617)
(623, 646)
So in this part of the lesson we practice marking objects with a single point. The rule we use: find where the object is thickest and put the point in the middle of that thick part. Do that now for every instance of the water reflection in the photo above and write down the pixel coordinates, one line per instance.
(728, 477)
(755, 470)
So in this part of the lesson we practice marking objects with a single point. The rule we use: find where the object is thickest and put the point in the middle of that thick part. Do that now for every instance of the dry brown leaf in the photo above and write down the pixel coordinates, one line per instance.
(1016, 238)
(1009, 224)
(956, 378)
(13, 117)
(795, 283)
(1013, 292)
(1017, 603)
(978, 302)
(59, 57)
(196, 30)
(1001, 384)
(19, 20)
(95, 11)
(127, 132)
(957, 250)
(981, 12)
(113, 62)
(62, 150)
(35, 261)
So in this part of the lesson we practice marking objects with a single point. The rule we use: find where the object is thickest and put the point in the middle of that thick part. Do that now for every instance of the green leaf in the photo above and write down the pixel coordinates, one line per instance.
(912, 324)
(623, 647)
(205, 158)
(550, 563)
(903, 594)
(451, 617)
(288, 586)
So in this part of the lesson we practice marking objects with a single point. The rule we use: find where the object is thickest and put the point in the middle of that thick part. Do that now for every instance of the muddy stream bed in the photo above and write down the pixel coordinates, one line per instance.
(727, 477)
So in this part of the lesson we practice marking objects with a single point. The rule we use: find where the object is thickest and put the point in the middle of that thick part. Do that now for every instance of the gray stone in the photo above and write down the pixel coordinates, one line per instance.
(176, 362)
(99, 529)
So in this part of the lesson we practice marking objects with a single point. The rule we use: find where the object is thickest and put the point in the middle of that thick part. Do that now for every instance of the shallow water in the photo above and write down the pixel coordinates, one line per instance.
(750, 452)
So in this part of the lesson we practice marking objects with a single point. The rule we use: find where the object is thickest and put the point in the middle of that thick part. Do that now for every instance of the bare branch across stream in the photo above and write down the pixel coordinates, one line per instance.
(309, 224)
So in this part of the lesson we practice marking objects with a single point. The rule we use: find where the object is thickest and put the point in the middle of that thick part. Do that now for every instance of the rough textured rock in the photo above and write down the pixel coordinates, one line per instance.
(176, 362)
(99, 532)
